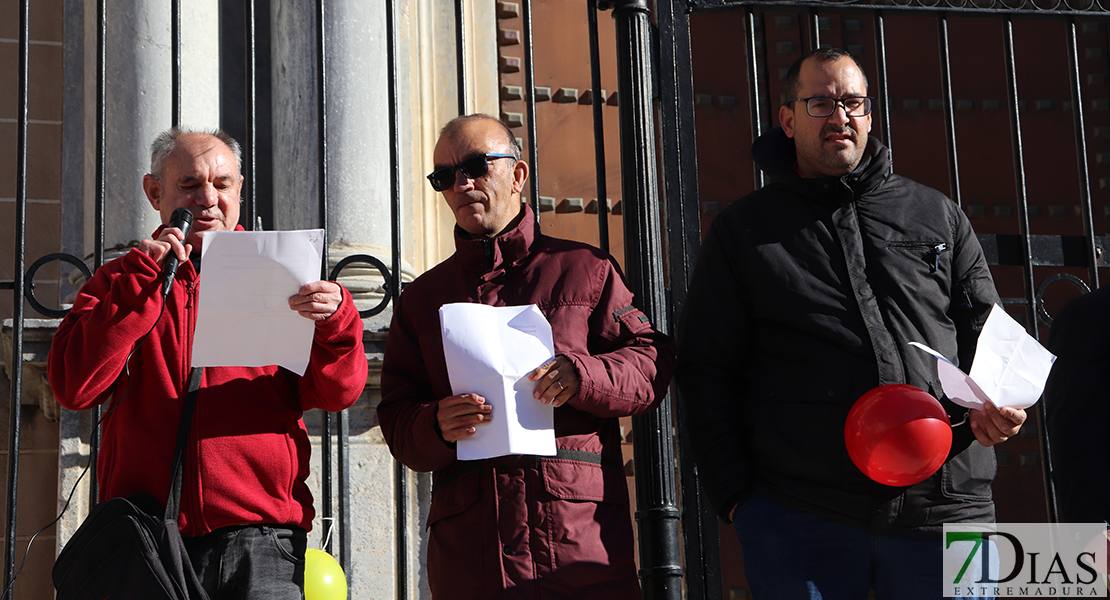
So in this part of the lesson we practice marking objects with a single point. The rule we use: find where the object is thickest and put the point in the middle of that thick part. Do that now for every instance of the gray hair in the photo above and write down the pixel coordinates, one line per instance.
(453, 125)
(166, 143)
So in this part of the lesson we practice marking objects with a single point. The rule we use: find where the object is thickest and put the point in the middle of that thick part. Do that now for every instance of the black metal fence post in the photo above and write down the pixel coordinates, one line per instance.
(949, 111)
(656, 505)
(16, 374)
(701, 540)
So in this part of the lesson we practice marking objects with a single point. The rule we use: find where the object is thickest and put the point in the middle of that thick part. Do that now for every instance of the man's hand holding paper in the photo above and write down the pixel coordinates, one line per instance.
(256, 288)
(317, 300)
(491, 354)
(556, 380)
(1007, 376)
(458, 415)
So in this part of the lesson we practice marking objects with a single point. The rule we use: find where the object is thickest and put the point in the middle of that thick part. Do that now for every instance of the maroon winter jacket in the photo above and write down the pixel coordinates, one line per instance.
(247, 453)
(527, 526)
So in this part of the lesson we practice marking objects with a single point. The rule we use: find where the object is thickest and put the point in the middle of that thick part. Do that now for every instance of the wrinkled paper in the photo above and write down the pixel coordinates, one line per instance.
(247, 278)
(489, 351)
(1010, 367)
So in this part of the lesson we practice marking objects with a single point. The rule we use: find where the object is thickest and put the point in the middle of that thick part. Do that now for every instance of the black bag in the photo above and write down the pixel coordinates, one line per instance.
(124, 551)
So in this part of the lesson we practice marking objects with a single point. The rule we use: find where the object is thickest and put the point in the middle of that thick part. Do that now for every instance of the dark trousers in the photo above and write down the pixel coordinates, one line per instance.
(254, 562)
(794, 555)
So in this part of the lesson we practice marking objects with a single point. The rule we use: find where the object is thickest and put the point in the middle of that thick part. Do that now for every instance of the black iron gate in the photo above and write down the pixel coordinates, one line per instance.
(658, 70)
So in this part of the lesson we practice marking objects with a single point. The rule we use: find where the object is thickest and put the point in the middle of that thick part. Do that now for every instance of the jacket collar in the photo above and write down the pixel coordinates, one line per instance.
(508, 247)
(774, 153)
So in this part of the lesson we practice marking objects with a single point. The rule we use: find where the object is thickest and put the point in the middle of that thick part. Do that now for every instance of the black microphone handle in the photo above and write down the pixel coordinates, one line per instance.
(183, 220)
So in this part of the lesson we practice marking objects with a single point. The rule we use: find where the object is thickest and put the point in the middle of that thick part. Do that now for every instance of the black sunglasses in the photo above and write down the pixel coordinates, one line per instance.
(471, 168)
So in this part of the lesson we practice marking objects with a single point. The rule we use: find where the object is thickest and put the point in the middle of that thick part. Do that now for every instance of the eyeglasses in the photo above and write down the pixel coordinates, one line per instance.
(471, 168)
(821, 107)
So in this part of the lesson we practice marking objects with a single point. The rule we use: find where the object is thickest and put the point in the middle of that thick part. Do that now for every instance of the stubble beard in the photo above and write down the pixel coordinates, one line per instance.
(841, 161)
(832, 163)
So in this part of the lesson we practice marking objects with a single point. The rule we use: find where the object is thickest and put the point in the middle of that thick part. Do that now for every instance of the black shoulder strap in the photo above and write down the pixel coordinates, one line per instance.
(173, 503)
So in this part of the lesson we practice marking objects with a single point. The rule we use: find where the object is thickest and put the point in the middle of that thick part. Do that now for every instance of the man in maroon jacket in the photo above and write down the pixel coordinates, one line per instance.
(245, 507)
(521, 526)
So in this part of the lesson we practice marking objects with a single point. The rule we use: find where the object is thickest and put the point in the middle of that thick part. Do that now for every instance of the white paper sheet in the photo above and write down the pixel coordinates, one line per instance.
(247, 278)
(489, 351)
(1010, 367)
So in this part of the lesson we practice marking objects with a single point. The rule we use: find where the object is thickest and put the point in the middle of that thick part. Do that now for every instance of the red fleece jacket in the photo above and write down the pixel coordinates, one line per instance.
(247, 451)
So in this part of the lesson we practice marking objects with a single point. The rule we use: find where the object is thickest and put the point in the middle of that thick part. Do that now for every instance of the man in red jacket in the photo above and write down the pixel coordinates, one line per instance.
(521, 526)
(245, 507)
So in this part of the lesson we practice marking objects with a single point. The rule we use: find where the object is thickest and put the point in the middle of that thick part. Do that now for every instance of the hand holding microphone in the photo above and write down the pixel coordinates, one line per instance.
(183, 220)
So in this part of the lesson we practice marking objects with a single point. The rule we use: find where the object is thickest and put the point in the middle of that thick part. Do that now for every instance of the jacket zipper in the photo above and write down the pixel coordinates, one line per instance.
(936, 255)
(193, 496)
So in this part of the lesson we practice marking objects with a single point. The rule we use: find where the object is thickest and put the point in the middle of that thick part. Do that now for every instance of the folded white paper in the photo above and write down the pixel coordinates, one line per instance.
(247, 278)
(1010, 367)
(489, 351)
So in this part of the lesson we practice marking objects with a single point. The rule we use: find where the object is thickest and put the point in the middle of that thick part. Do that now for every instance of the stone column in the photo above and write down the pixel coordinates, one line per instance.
(359, 164)
(359, 214)
(137, 101)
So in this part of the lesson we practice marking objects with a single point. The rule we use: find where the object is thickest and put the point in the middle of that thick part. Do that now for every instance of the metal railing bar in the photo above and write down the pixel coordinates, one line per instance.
(949, 110)
(99, 214)
(16, 374)
(343, 457)
(657, 512)
(175, 62)
(530, 104)
(251, 143)
(1019, 174)
(401, 473)
(1027, 268)
(322, 174)
(460, 54)
(881, 79)
(678, 138)
(703, 6)
(814, 29)
(1081, 154)
(756, 108)
(599, 130)
(1044, 250)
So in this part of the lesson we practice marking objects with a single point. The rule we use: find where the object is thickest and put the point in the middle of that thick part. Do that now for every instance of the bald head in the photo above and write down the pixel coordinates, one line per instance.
(486, 198)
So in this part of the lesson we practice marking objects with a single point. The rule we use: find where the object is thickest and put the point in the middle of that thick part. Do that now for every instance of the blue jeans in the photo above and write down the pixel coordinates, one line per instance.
(794, 555)
(255, 562)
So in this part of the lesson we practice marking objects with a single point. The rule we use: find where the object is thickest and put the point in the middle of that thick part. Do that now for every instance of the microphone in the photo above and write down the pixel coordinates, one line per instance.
(183, 220)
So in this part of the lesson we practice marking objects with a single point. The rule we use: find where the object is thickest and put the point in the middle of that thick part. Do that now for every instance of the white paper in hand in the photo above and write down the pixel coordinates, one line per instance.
(489, 351)
(1010, 367)
(247, 279)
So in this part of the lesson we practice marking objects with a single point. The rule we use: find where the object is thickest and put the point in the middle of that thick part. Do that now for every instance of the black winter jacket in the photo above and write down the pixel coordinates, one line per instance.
(1077, 398)
(806, 295)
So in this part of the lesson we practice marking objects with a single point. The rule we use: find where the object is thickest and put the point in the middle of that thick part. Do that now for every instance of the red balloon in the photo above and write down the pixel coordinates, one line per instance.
(898, 434)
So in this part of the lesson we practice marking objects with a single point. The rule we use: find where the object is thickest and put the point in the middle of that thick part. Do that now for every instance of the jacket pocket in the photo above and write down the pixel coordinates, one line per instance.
(634, 319)
(795, 425)
(969, 474)
(924, 256)
(457, 540)
(588, 526)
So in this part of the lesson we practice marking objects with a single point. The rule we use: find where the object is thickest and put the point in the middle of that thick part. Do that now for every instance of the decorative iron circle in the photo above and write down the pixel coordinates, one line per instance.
(387, 284)
(29, 281)
(1042, 314)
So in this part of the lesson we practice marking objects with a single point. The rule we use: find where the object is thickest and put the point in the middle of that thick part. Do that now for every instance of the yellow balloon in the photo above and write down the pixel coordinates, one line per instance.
(323, 577)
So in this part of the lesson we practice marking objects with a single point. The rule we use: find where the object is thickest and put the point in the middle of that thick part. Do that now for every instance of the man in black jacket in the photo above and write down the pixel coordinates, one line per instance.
(1077, 398)
(805, 296)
